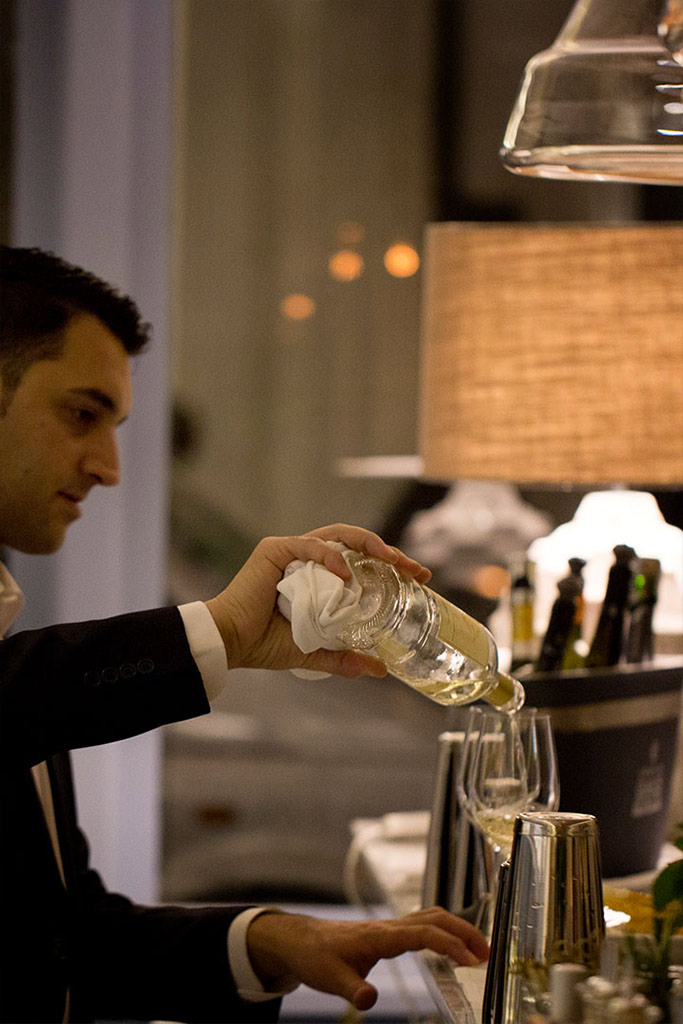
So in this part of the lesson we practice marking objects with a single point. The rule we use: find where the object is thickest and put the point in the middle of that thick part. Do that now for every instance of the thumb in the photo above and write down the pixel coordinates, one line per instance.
(365, 996)
(343, 980)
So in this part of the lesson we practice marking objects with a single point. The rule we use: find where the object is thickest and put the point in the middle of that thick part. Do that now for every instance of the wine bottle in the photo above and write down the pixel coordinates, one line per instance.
(607, 642)
(522, 612)
(559, 627)
(424, 640)
(641, 603)
(576, 649)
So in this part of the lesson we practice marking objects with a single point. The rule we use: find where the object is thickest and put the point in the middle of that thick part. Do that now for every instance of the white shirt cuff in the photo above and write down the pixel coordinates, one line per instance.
(206, 646)
(248, 986)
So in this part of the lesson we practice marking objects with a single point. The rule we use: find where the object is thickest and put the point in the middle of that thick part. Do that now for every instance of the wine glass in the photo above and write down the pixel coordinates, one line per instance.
(497, 786)
(541, 760)
(493, 788)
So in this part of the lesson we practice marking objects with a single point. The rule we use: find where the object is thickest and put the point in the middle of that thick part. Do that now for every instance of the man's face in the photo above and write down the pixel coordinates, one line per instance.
(58, 436)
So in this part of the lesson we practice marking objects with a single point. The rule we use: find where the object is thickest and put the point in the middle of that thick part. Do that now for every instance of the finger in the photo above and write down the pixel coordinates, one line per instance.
(370, 543)
(475, 941)
(447, 944)
(280, 551)
(480, 947)
(349, 664)
(356, 537)
(342, 980)
(410, 565)
(364, 997)
(414, 936)
(364, 541)
(465, 929)
(470, 945)
(471, 936)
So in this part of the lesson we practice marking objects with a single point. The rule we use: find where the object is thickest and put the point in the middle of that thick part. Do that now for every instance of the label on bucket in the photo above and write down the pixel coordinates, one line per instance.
(648, 795)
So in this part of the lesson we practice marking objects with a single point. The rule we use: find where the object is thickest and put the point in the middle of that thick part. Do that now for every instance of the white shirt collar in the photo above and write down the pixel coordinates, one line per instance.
(11, 599)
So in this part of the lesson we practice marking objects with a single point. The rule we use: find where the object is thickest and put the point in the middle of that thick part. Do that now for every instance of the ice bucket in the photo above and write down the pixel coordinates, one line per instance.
(616, 732)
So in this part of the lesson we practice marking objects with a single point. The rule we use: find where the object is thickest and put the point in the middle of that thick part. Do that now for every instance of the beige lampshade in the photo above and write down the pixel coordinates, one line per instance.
(553, 353)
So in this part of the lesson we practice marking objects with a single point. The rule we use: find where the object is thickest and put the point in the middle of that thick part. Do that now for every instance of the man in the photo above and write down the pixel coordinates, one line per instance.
(71, 950)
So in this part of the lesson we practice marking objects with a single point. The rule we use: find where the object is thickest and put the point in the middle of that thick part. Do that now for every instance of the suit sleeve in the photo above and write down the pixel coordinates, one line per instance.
(133, 962)
(157, 963)
(88, 683)
(161, 963)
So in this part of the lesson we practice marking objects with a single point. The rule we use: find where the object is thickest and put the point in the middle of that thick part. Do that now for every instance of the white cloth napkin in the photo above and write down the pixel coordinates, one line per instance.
(317, 603)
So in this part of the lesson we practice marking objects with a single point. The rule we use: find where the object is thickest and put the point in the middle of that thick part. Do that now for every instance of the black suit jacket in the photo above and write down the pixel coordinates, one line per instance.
(74, 686)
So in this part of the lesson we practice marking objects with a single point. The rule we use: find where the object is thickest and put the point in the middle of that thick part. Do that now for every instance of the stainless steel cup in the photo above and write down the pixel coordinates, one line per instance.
(554, 910)
(456, 869)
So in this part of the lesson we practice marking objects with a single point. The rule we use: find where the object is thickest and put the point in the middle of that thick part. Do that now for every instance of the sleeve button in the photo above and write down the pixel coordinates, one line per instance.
(145, 666)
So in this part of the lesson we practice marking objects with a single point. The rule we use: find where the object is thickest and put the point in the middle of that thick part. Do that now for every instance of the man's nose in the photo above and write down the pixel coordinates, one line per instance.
(102, 462)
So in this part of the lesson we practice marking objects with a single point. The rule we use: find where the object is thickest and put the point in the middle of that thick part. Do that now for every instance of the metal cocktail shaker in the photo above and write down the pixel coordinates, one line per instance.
(551, 911)
(494, 989)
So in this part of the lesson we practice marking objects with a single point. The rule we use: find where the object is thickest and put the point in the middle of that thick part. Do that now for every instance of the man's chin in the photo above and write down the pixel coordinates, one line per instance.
(42, 545)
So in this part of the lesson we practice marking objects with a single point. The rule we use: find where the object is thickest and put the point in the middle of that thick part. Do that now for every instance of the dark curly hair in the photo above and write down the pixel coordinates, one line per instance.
(39, 295)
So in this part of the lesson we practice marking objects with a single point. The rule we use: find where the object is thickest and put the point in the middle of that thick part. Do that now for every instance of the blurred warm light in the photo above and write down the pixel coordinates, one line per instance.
(346, 265)
(401, 260)
(490, 581)
(297, 306)
(350, 232)
(390, 466)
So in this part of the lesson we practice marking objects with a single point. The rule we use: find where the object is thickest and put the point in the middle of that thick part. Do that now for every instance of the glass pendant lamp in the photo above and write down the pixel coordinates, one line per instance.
(605, 101)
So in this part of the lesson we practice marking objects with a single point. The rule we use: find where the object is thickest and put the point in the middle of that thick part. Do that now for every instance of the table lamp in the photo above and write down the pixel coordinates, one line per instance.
(552, 354)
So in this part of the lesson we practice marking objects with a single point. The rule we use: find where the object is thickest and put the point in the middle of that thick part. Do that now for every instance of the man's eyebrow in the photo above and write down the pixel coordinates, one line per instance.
(101, 397)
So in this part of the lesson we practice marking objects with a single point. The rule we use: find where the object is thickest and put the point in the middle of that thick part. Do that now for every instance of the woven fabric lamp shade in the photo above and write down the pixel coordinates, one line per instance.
(553, 353)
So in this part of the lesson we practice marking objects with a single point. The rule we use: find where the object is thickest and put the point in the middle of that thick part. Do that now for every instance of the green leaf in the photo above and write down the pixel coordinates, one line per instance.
(668, 885)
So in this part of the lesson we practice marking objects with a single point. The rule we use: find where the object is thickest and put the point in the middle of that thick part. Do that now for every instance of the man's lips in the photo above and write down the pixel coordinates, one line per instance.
(73, 500)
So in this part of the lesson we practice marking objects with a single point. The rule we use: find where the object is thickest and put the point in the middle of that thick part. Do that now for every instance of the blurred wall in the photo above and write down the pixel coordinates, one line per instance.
(295, 119)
